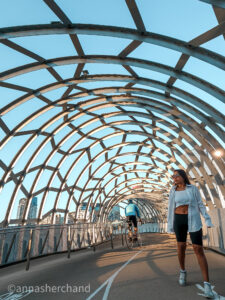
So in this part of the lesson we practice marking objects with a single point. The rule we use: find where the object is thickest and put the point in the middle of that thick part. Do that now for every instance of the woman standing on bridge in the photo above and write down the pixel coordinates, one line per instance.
(185, 206)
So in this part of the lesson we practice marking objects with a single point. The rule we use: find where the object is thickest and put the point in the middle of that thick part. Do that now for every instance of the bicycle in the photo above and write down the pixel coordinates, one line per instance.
(131, 239)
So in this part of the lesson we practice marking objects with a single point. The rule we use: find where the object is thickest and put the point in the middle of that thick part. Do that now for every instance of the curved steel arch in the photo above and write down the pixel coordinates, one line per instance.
(109, 77)
(198, 131)
(140, 63)
(125, 191)
(148, 210)
(44, 109)
(145, 202)
(120, 32)
(118, 200)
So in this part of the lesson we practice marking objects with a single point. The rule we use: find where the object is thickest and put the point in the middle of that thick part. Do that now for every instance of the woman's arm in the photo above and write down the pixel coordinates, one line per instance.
(202, 208)
(169, 215)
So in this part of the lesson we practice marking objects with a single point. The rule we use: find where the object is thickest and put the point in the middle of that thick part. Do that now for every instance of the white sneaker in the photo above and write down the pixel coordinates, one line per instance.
(208, 290)
(182, 278)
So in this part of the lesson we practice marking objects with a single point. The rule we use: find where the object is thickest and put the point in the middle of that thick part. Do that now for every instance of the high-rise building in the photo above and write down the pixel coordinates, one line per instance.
(21, 207)
(46, 220)
(81, 212)
(33, 209)
(71, 218)
(96, 212)
(59, 219)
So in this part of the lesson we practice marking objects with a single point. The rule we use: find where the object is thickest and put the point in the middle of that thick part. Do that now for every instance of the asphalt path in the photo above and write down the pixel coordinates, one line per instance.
(147, 272)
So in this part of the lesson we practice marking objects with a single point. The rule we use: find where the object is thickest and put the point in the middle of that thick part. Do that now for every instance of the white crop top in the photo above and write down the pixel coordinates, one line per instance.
(181, 198)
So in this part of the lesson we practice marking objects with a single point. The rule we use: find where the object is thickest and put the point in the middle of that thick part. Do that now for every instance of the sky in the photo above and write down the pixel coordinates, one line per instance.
(178, 19)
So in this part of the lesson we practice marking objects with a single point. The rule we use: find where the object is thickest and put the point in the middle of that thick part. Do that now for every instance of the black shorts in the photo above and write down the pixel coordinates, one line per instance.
(132, 219)
(181, 229)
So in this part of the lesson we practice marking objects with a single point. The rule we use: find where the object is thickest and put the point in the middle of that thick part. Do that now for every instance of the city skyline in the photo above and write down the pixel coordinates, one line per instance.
(32, 214)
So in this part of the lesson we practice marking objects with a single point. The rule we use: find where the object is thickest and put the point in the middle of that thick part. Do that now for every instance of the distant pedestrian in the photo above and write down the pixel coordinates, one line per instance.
(131, 211)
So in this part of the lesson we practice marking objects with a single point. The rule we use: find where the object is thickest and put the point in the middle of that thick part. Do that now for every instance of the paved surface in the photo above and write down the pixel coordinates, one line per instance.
(149, 272)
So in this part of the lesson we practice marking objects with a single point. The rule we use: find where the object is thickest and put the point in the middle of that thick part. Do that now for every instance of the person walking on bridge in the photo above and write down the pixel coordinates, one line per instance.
(131, 211)
(185, 206)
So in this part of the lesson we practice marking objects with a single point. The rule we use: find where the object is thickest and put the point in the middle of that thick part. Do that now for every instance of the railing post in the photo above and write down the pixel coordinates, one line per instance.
(207, 235)
(212, 234)
(68, 242)
(28, 250)
(43, 246)
(122, 235)
(220, 237)
(10, 248)
(93, 230)
(60, 236)
(111, 235)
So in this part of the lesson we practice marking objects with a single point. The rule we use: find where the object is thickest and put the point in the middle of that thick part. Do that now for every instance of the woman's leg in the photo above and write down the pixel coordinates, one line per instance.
(204, 268)
(180, 228)
(198, 249)
(181, 248)
(196, 238)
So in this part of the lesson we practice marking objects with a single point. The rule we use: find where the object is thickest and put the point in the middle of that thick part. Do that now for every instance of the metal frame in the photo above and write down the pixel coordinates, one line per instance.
(192, 140)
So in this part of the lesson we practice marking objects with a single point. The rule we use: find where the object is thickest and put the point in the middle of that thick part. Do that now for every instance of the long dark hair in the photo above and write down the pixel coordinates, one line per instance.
(183, 174)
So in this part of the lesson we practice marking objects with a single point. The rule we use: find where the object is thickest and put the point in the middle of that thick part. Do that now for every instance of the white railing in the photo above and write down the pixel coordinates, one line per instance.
(25, 242)
(144, 228)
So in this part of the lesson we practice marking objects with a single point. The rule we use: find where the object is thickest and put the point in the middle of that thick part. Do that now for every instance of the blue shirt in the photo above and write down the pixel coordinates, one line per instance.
(131, 210)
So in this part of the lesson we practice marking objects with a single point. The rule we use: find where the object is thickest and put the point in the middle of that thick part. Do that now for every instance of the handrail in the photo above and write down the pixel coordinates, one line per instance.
(17, 243)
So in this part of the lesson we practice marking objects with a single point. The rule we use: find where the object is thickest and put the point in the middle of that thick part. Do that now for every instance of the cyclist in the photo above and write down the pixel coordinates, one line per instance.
(131, 210)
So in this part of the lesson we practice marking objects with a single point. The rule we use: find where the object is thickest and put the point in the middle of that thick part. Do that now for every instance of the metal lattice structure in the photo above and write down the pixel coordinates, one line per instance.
(107, 143)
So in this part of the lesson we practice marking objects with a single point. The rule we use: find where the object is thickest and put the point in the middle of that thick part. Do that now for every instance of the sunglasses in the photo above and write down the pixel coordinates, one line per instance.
(175, 176)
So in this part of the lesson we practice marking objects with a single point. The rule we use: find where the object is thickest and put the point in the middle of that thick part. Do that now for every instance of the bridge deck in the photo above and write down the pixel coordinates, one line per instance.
(146, 273)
